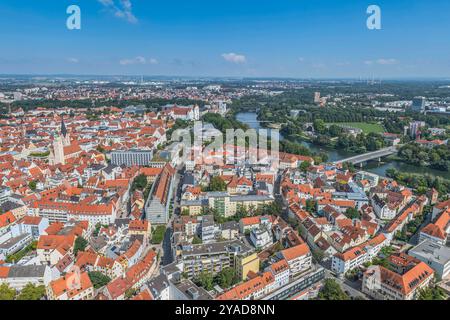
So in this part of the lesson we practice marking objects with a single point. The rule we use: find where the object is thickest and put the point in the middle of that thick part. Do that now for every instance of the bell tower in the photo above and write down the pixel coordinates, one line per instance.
(64, 134)
(58, 150)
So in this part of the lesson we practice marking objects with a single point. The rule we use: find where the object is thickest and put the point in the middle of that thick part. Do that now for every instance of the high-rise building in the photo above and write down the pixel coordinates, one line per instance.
(414, 128)
(418, 104)
(222, 107)
(316, 97)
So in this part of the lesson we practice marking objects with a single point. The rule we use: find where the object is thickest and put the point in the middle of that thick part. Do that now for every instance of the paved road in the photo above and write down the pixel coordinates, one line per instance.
(166, 247)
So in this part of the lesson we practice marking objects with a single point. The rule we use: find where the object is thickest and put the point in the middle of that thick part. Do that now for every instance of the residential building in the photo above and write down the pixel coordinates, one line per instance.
(437, 256)
(261, 237)
(299, 258)
(383, 284)
(213, 257)
(72, 286)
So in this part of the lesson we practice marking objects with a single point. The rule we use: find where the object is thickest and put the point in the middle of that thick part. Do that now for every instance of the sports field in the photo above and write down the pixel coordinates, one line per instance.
(366, 127)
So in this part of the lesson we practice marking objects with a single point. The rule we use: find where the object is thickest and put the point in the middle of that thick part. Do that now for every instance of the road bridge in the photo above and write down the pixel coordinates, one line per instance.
(359, 159)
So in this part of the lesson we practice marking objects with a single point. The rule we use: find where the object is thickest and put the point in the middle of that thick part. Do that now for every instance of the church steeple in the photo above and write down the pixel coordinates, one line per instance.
(64, 133)
(63, 128)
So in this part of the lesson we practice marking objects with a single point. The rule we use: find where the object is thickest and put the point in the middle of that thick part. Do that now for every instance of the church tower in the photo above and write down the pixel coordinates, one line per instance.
(58, 150)
(64, 134)
(60, 141)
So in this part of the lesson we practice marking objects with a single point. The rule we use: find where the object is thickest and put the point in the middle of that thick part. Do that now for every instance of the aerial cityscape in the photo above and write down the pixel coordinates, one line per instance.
(138, 178)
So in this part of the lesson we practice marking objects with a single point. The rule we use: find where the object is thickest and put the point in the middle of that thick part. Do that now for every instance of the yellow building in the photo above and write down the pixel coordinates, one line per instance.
(193, 207)
(244, 264)
(224, 204)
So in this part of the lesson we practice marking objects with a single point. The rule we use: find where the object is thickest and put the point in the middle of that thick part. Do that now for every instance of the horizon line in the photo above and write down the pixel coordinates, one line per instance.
(358, 78)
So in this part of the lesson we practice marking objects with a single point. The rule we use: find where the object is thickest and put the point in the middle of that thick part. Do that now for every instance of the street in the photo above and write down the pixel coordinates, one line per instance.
(166, 246)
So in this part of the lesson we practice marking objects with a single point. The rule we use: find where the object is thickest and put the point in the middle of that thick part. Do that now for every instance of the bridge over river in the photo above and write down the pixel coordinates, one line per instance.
(360, 159)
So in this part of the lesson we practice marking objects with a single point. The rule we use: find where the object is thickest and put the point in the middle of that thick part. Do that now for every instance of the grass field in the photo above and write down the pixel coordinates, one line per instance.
(366, 127)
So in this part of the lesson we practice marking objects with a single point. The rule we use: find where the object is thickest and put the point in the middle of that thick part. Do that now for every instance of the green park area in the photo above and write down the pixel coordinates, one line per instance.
(158, 234)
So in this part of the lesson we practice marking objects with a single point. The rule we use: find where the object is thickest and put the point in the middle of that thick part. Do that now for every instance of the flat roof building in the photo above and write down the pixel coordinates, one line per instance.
(435, 255)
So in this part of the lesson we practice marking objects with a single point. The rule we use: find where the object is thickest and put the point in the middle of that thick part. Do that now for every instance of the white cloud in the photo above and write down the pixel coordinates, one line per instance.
(387, 61)
(138, 60)
(381, 62)
(121, 9)
(301, 59)
(234, 58)
(319, 65)
(73, 60)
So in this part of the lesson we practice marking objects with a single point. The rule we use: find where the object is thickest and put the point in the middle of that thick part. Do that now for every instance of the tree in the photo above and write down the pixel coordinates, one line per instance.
(304, 166)
(272, 209)
(227, 277)
(402, 235)
(196, 240)
(217, 184)
(139, 183)
(13, 258)
(31, 292)
(310, 206)
(241, 212)
(130, 293)
(205, 280)
(332, 291)
(434, 293)
(335, 130)
(80, 245)
(32, 185)
(98, 279)
(319, 126)
(318, 255)
(97, 229)
(384, 262)
(7, 293)
(352, 213)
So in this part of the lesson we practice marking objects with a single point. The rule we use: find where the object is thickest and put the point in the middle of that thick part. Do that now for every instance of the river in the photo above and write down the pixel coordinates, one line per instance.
(250, 118)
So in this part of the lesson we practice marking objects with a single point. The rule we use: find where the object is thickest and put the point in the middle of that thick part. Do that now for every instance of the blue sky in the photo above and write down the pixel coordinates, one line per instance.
(283, 38)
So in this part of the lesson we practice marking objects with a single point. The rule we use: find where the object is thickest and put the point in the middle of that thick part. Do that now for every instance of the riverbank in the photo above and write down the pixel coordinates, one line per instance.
(251, 119)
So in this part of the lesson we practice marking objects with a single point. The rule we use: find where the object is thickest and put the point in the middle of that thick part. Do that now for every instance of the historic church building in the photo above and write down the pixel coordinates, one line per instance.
(63, 149)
